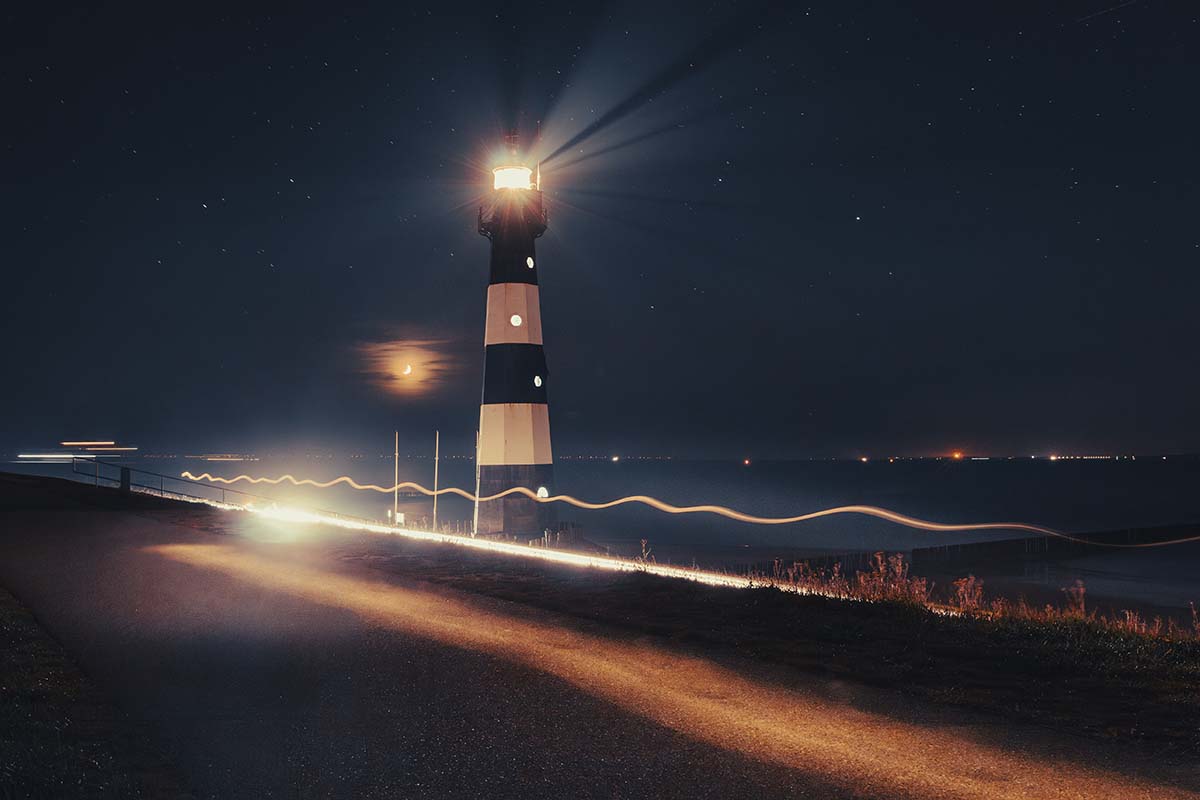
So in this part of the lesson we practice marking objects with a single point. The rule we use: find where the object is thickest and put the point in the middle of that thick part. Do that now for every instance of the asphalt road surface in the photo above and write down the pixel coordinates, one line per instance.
(278, 661)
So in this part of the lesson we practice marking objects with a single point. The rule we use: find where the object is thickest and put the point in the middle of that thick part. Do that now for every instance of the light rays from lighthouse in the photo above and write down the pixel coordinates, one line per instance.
(736, 31)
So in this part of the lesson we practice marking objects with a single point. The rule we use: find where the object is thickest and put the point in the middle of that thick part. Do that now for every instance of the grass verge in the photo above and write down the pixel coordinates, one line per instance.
(1067, 671)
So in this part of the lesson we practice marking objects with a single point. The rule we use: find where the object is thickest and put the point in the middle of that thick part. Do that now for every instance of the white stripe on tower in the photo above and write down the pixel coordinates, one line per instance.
(509, 303)
(514, 433)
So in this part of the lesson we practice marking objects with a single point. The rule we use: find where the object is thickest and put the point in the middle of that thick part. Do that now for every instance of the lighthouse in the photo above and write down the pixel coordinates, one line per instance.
(514, 418)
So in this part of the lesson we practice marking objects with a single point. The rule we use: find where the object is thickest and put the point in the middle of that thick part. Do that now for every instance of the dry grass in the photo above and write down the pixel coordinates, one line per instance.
(888, 580)
(646, 557)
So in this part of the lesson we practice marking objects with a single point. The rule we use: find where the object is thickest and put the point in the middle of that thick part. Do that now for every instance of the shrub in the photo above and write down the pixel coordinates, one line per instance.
(1076, 600)
(968, 594)
(887, 579)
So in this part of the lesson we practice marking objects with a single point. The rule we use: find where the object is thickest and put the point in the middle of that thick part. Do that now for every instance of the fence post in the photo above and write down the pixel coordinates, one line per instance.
(124, 479)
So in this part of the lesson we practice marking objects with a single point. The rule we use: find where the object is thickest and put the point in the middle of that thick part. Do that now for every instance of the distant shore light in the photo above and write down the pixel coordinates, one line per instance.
(40, 456)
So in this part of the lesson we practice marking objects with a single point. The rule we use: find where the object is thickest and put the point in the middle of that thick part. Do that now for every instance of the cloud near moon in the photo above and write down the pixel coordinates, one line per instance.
(408, 367)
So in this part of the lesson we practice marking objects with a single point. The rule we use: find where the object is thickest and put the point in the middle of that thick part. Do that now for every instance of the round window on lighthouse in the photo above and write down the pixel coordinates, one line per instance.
(529, 262)
(537, 381)
(543, 491)
(515, 319)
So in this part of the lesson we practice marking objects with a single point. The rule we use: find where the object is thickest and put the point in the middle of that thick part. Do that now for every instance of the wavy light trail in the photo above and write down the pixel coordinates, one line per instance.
(870, 511)
(566, 557)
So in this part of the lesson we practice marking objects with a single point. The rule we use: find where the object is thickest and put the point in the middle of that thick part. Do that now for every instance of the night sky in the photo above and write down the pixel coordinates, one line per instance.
(841, 229)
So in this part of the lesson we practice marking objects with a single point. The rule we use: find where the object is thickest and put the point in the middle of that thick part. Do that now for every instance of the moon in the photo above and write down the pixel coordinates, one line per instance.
(407, 369)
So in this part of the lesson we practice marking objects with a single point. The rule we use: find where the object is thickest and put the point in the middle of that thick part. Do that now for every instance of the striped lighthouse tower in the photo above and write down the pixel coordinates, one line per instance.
(514, 422)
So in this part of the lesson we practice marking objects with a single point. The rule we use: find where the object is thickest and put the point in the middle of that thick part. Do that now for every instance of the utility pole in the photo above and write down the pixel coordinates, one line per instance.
(396, 483)
(437, 437)
(475, 517)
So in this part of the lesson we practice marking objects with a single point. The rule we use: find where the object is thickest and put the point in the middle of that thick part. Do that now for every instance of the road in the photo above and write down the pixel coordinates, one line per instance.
(277, 662)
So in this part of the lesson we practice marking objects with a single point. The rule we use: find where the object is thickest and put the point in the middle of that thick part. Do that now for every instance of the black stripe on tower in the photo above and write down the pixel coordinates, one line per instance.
(517, 220)
(514, 373)
(516, 514)
(511, 257)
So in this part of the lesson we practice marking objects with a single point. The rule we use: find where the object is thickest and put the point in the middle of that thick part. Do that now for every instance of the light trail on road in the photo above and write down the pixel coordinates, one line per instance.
(565, 557)
(660, 505)
(868, 745)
